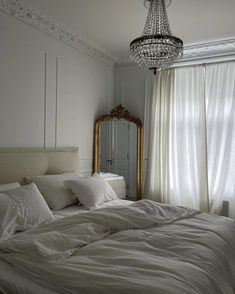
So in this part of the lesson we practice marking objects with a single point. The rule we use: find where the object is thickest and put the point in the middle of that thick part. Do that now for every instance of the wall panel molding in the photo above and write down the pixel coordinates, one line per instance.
(56, 100)
(32, 17)
(45, 100)
(50, 93)
(23, 94)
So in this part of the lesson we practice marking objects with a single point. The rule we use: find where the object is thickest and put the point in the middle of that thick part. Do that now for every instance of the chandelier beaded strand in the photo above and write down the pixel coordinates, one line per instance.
(157, 48)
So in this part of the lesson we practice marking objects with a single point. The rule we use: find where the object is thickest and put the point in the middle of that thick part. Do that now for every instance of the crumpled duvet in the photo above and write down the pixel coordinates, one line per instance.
(145, 247)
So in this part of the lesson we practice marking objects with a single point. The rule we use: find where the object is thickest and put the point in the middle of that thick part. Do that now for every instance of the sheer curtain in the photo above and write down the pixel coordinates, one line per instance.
(188, 164)
(220, 103)
(157, 122)
(190, 141)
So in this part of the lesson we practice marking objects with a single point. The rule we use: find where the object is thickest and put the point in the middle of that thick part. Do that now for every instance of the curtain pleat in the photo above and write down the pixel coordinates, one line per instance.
(220, 104)
(191, 137)
(188, 177)
(157, 174)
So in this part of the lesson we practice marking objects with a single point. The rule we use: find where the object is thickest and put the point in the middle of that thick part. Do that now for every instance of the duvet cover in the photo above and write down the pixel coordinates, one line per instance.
(146, 247)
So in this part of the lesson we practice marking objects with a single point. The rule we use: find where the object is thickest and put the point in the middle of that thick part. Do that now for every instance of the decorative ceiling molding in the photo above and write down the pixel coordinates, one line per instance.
(19, 10)
(220, 48)
(210, 49)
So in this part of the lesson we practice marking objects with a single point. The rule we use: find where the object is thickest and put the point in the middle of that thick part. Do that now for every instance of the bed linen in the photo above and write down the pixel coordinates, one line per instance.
(13, 282)
(22, 209)
(145, 247)
(74, 209)
(11, 279)
(91, 191)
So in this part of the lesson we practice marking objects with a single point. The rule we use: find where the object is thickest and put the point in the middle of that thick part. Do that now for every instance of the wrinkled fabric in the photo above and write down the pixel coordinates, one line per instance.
(145, 247)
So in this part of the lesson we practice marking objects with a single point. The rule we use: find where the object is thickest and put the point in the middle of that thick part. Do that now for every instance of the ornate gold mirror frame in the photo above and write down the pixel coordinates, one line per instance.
(121, 113)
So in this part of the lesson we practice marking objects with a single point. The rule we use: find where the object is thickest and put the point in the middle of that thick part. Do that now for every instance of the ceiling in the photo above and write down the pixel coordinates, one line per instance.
(110, 25)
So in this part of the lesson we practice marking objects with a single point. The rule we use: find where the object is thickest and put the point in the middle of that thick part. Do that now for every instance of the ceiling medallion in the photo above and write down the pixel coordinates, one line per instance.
(157, 48)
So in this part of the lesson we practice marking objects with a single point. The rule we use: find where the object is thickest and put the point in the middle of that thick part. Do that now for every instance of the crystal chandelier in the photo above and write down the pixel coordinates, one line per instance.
(157, 48)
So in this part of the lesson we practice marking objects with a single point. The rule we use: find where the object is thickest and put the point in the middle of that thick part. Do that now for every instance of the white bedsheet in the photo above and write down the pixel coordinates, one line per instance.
(74, 209)
(142, 248)
(12, 280)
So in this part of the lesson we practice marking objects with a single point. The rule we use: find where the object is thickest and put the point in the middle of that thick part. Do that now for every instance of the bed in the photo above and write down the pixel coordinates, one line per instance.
(120, 247)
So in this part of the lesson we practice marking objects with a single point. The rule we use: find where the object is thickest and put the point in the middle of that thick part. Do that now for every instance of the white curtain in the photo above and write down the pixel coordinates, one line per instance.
(220, 102)
(190, 137)
(188, 164)
(157, 128)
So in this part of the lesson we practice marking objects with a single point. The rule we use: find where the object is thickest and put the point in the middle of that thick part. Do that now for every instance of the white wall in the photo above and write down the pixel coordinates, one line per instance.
(129, 89)
(50, 94)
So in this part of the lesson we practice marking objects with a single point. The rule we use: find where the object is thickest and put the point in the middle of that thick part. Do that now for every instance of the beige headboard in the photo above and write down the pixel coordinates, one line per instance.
(15, 164)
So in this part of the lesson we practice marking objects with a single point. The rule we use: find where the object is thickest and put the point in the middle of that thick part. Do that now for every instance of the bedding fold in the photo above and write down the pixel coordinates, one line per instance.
(145, 247)
(60, 238)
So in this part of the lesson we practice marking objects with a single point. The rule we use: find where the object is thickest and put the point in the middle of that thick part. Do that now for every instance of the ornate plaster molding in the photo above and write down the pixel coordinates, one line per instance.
(210, 49)
(19, 10)
(220, 48)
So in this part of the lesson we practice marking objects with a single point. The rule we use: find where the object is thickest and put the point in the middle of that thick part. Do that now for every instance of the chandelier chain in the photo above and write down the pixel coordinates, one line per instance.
(157, 19)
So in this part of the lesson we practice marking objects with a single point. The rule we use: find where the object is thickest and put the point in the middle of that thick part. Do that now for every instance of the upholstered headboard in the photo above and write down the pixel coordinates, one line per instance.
(15, 164)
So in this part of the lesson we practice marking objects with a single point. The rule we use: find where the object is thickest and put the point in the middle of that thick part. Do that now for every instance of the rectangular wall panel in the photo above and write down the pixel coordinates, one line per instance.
(51, 94)
(22, 96)
(80, 96)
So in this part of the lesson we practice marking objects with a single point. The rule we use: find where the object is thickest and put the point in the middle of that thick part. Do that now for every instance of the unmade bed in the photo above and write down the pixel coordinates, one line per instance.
(119, 247)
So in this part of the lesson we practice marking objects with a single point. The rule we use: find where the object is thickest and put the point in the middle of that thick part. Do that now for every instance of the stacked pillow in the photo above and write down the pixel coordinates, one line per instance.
(21, 209)
(52, 187)
(60, 191)
(91, 191)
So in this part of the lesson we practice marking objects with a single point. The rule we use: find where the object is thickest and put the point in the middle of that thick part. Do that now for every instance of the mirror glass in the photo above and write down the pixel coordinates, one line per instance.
(118, 152)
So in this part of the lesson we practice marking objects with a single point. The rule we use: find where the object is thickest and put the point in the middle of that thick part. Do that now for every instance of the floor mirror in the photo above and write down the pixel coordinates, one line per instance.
(118, 148)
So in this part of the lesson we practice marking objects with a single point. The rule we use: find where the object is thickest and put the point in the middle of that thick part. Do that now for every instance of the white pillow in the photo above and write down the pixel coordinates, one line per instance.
(10, 186)
(22, 209)
(91, 191)
(53, 189)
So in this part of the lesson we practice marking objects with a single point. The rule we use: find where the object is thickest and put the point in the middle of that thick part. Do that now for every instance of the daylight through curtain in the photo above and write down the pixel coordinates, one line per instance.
(220, 103)
(191, 137)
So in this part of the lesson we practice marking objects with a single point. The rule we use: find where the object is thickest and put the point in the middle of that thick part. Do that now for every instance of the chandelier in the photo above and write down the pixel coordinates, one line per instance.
(157, 48)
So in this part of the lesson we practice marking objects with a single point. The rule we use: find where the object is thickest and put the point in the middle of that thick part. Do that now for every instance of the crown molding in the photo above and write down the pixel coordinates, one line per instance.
(20, 11)
(221, 48)
(30, 16)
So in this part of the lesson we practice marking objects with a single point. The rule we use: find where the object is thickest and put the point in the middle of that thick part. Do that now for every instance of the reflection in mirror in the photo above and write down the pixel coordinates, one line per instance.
(118, 151)
(118, 147)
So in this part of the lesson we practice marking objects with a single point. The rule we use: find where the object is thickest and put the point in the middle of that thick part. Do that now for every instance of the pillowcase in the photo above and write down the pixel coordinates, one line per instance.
(91, 191)
(53, 190)
(10, 186)
(22, 209)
